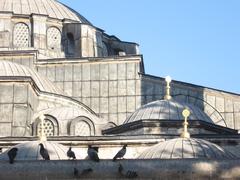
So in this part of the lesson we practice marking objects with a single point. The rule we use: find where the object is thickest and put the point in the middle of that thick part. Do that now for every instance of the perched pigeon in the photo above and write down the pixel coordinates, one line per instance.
(120, 153)
(12, 153)
(44, 152)
(93, 153)
(71, 154)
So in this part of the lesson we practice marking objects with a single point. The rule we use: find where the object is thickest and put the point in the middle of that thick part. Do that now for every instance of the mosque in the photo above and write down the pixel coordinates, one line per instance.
(66, 83)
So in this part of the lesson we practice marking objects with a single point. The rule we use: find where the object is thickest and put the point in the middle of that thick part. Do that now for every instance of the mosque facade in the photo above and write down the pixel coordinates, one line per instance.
(66, 79)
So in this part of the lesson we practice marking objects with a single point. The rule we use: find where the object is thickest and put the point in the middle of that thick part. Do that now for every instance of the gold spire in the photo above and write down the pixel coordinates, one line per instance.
(42, 136)
(168, 94)
(185, 133)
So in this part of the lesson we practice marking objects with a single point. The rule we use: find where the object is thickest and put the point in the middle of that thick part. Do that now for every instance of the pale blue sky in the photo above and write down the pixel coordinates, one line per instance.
(195, 41)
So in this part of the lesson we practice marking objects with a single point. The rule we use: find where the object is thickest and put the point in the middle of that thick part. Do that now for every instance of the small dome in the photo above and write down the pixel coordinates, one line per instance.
(51, 8)
(31, 151)
(167, 110)
(183, 148)
(9, 69)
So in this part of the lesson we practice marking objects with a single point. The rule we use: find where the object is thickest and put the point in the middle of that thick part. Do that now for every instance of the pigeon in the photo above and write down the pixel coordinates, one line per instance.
(44, 152)
(93, 153)
(71, 154)
(12, 153)
(120, 153)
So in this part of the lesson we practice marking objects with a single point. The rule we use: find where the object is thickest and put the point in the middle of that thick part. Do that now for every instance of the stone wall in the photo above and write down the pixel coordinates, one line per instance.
(222, 107)
(111, 87)
(17, 103)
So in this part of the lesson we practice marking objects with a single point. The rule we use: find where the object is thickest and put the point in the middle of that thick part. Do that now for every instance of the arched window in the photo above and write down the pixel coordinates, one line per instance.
(70, 45)
(21, 35)
(54, 38)
(49, 125)
(48, 128)
(81, 126)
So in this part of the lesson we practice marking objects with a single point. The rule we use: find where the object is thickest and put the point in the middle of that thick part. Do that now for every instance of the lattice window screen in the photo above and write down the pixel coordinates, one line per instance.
(82, 129)
(54, 38)
(48, 128)
(21, 35)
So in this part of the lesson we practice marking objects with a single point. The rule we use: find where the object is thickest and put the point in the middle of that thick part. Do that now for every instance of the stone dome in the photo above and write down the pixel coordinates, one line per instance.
(14, 70)
(51, 8)
(31, 151)
(183, 148)
(167, 110)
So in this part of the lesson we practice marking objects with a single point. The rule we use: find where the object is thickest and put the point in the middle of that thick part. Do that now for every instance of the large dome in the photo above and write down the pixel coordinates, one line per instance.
(167, 110)
(183, 148)
(31, 151)
(51, 8)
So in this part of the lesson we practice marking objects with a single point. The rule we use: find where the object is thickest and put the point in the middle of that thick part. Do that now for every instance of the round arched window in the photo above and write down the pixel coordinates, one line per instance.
(48, 128)
(54, 38)
(21, 35)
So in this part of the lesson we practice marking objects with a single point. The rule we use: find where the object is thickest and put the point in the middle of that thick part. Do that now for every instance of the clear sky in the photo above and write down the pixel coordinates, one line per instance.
(195, 41)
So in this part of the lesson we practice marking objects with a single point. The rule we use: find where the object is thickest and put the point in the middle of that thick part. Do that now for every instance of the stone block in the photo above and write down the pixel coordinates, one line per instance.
(86, 72)
(228, 105)
(18, 131)
(86, 89)
(20, 93)
(237, 120)
(131, 71)
(122, 104)
(95, 72)
(51, 73)
(68, 75)
(6, 93)
(60, 85)
(59, 73)
(112, 88)
(122, 71)
(103, 105)
(113, 71)
(211, 100)
(220, 104)
(95, 89)
(138, 87)
(113, 117)
(122, 85)
(131, 89)
(68, 88)
(113, 104)
(6, 111)
(236, 106)
(95, 104)
(86, 101)
(77, 73)
(131, 104)
(20, 115)
(5, 129)
(104, 88)
(77, 89)
(103, 71)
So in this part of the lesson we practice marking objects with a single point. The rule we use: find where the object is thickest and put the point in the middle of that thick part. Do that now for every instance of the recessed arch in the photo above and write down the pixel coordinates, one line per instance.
(54, 38)
(81, 126)
(21, 35)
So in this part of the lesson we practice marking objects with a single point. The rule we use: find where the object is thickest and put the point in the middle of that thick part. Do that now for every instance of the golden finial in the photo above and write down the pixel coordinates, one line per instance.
(42, 135)
(185, 133)
(168, 96)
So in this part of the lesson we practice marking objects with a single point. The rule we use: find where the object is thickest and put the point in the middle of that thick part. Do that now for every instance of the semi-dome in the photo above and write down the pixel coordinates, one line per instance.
(31, 151)
(167, 110)
(51, 8)
(14, 70)
(183, 148)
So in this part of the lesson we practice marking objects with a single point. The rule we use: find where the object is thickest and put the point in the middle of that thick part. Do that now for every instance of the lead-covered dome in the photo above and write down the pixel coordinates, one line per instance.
(51, 8)
(31, 151)
(167, 110)
(183, 148)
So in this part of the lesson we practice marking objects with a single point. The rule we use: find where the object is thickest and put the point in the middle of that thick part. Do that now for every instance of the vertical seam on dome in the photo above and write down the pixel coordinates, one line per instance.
(69, 13)
(173, 148)
(37, 8)
(54, 9)
(194, 154)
